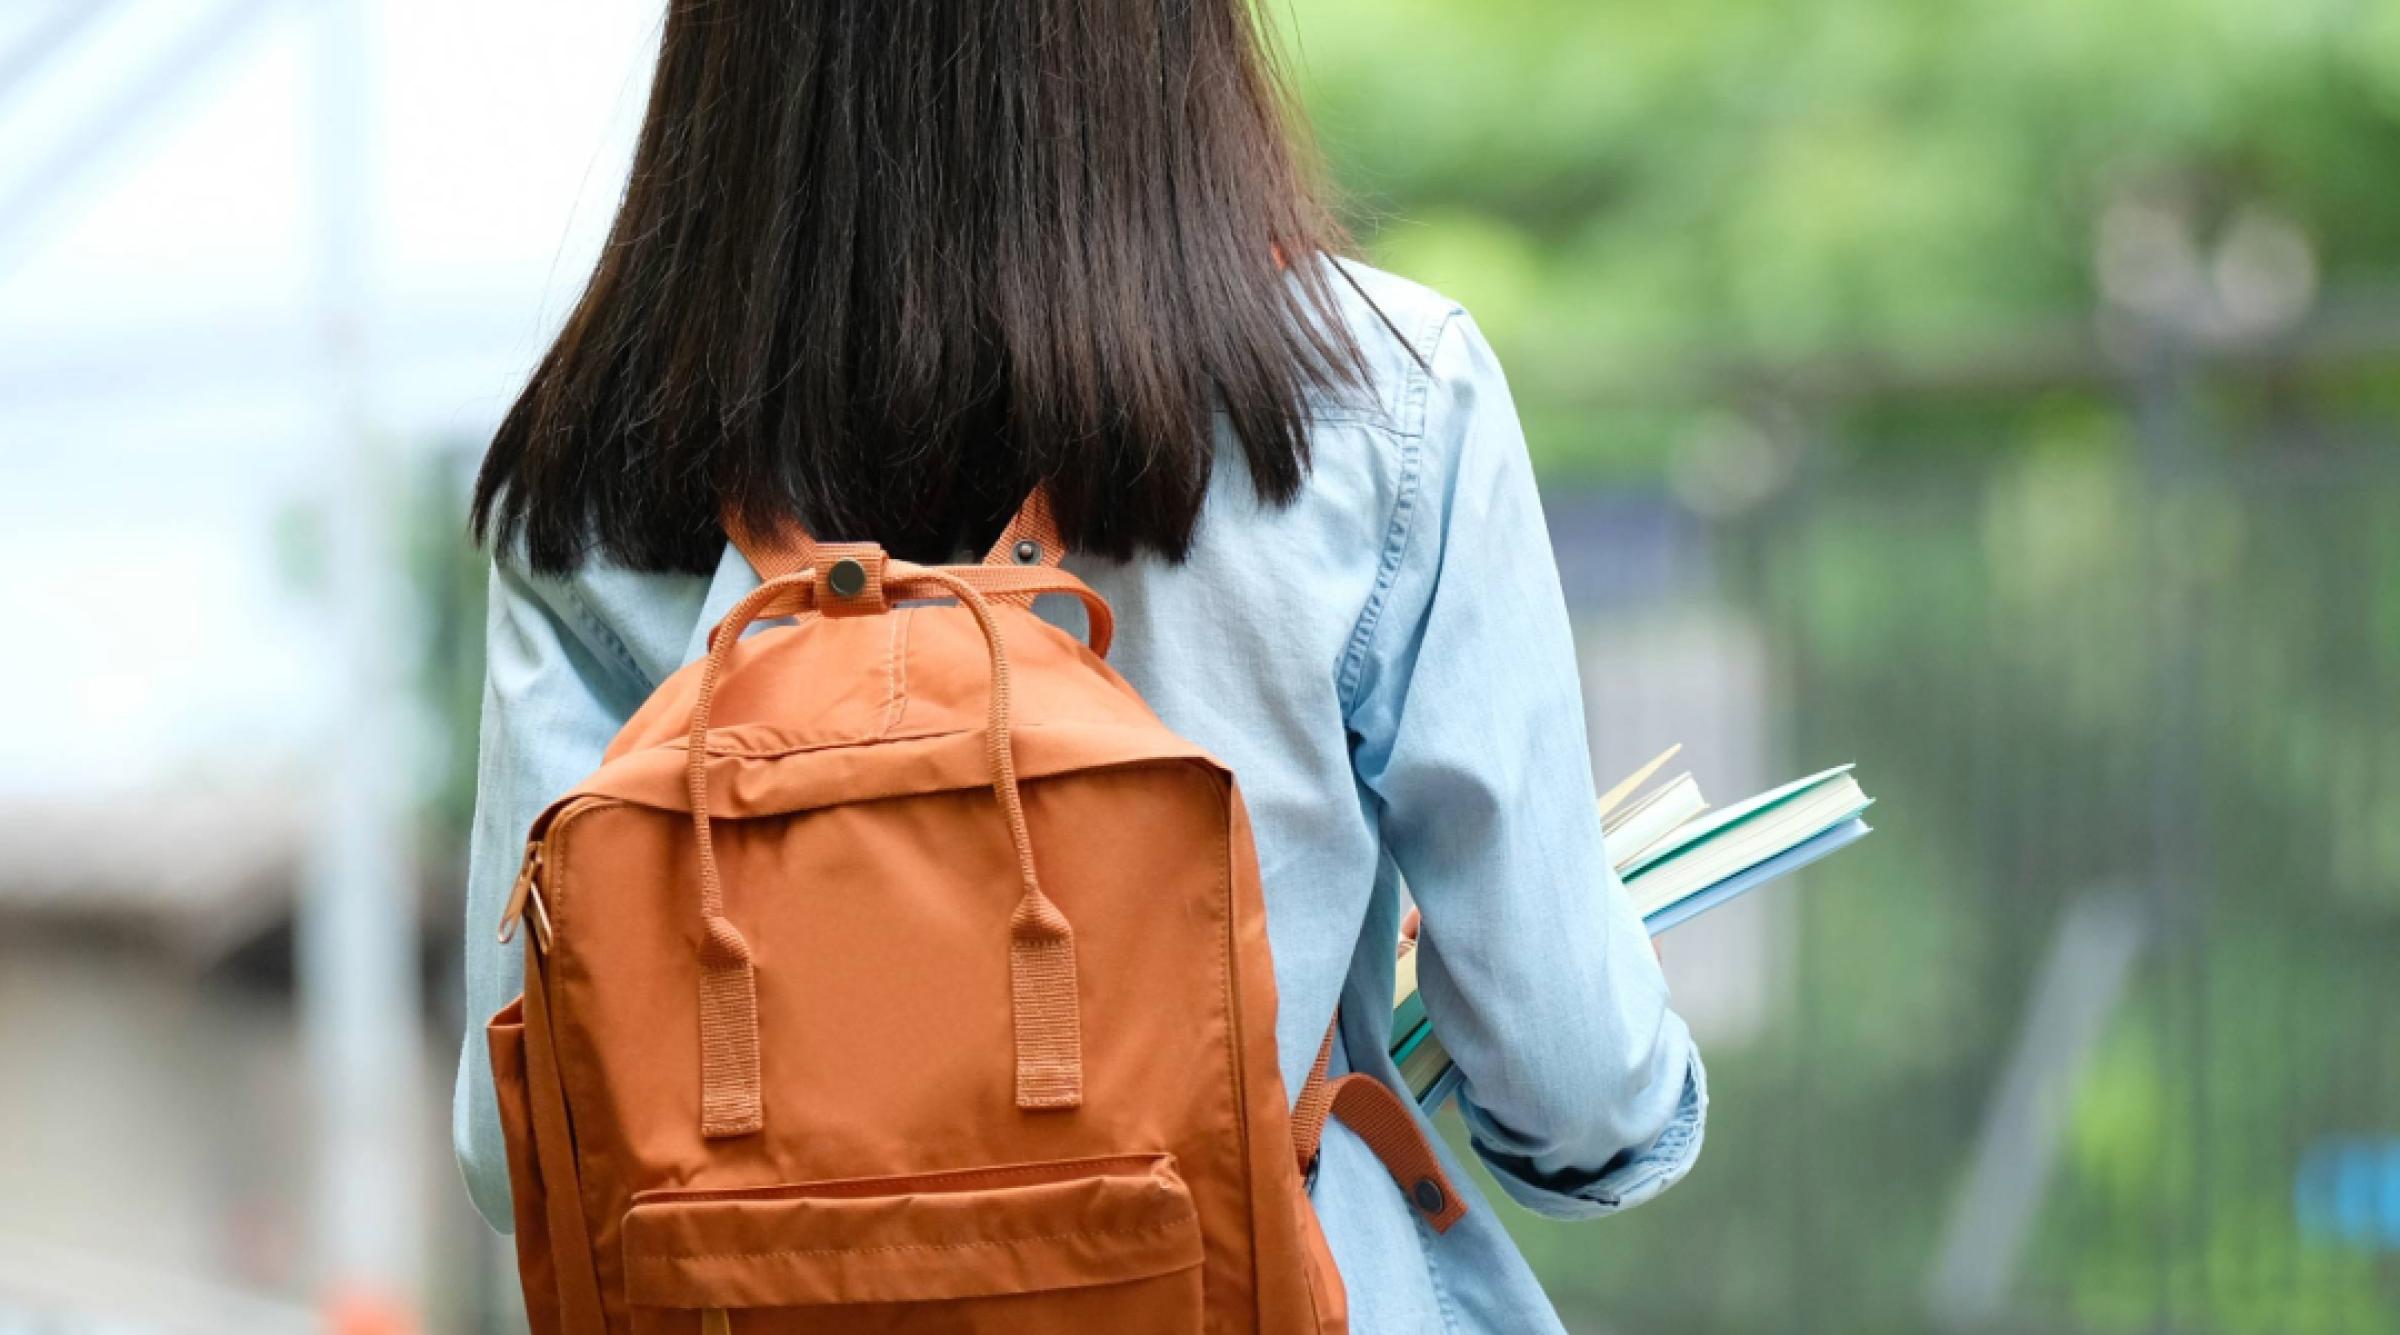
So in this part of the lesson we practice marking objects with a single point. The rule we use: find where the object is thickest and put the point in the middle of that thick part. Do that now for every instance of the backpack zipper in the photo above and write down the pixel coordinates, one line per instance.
(526, 895)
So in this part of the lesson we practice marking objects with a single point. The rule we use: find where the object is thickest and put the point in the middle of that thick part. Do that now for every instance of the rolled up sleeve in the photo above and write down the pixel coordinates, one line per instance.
(1633, 1177)
(1579, 1082)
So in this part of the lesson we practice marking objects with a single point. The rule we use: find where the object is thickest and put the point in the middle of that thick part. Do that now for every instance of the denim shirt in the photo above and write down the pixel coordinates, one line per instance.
(1386, 666)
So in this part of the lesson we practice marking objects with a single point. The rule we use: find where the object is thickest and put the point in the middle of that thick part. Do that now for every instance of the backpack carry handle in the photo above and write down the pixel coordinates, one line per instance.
(899, 581)
(1046, 1013)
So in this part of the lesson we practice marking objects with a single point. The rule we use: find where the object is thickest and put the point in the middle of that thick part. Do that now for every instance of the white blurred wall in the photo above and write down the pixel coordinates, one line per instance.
(235, 300)
(162, 298)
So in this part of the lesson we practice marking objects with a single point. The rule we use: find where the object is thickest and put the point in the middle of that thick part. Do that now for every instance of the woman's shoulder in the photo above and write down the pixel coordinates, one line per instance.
(634, 626)
(1397, 324)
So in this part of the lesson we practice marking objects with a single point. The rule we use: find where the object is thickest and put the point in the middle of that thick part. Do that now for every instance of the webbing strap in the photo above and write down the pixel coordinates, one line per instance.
(1316, 1102)
(997, 584)
(784, 550)
(554, 1154)
(1390, 1127)
(1031, 539)
(1041, 959)
(730, 1088)
(1043, 998)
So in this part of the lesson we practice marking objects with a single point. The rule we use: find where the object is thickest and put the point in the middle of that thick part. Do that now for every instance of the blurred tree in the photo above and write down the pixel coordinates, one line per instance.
(2027, 284)
(1637, 200)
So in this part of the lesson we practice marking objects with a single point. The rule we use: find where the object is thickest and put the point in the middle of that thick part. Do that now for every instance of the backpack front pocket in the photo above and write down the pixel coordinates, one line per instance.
(1107, 1244)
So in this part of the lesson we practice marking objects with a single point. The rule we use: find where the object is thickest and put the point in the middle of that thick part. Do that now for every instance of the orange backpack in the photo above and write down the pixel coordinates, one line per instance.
(900, 971)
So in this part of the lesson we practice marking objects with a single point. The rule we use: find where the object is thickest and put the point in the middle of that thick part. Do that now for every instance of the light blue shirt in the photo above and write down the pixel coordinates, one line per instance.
(1386, 665)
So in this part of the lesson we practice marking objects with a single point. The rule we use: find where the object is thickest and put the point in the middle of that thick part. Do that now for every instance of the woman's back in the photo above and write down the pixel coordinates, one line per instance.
(1385, 664)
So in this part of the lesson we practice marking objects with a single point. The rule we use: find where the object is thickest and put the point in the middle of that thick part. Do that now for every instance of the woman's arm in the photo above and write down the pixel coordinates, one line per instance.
(1582, 1087)
(557, 686)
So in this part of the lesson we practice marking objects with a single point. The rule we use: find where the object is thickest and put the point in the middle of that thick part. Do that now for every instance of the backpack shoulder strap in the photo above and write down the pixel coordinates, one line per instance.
(578, 1280)
(1031, 539)
(1389, 1126)
(785, 550)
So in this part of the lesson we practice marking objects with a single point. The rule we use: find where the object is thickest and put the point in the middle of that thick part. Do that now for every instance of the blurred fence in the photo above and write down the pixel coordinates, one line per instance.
(2097, 1032)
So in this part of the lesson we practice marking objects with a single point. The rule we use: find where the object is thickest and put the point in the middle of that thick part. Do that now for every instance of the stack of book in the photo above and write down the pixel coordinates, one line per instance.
(1678, 859)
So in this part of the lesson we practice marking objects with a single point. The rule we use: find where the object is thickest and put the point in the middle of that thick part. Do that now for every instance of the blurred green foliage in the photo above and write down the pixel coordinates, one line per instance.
(1640, 201)
(2062, 678)
(2067, 339)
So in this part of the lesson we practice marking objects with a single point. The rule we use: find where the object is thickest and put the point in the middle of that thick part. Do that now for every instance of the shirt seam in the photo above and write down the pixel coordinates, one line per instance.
(1420, 371)
(895, 702)
(608, 640)
(1443, 1306)
(1410, 433)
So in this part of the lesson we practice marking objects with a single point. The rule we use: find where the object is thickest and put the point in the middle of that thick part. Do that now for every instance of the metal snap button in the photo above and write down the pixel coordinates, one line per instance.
(847, 579)
(1029, 552)
(1429, 1196)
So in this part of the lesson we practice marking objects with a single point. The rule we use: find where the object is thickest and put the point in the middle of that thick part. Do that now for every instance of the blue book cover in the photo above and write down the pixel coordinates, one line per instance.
(1792, 859)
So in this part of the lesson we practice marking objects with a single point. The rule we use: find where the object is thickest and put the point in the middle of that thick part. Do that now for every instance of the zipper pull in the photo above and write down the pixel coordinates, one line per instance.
(526, 895)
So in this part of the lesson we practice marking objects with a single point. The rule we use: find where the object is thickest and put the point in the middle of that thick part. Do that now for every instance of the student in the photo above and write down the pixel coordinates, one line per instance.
(882, 267)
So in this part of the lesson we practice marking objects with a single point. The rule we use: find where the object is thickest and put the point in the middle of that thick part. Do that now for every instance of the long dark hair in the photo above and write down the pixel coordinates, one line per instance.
(884, 265)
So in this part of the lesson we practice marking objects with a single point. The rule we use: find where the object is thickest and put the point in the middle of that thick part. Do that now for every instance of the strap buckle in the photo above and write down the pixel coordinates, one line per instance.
(1390, 1126)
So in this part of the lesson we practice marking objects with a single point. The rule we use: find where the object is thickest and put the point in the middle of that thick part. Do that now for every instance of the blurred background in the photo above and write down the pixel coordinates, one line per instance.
(2002, 397)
